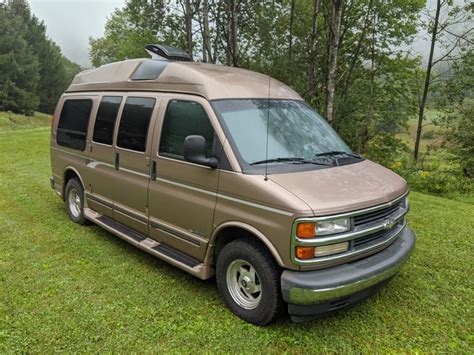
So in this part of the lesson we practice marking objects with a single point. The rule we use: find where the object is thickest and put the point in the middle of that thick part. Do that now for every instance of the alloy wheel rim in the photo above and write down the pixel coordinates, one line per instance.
(244, 284)
(75, 205)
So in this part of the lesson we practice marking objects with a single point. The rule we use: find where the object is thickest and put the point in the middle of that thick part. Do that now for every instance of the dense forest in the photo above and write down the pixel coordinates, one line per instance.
(33, 72)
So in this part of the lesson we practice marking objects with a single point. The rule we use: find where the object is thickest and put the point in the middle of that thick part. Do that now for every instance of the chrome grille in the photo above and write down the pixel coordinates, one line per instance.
(376, 215)
(372, 229)
(368, 238)
(375, 237)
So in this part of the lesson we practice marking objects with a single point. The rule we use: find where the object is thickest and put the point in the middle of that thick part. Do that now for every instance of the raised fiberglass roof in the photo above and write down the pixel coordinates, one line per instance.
(208, 80)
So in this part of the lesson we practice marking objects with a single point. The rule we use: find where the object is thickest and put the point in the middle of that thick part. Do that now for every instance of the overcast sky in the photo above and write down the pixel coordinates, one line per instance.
(70, 23)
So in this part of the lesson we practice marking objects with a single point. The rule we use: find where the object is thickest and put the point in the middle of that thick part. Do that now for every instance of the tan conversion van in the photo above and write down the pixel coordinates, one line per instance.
(223, 171)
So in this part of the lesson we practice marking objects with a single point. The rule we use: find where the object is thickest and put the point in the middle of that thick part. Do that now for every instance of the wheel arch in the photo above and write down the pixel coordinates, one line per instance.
(69, 173)
(232, 230)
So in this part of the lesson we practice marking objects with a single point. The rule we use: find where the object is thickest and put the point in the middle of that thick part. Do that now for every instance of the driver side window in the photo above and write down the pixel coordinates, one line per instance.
(184, 118)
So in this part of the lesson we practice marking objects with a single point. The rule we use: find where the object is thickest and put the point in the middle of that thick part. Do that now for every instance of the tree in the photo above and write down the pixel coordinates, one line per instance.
(34, 68)
(454, 97)
(207, 54)
(312, 48)
(290, 35)
(333, 49)
(347, 57)
(453, 39)
(232, 15)
(19, 70)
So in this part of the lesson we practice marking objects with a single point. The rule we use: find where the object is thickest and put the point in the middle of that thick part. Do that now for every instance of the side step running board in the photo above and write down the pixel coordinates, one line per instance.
(160, 250)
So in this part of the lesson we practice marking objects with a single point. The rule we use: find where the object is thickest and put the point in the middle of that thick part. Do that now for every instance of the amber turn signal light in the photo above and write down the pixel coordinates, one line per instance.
(305, 230)
(305, 252)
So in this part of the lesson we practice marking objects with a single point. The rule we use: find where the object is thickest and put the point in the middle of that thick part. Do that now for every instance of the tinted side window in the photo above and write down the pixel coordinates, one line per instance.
(73, 122)
(133, 129)
(184, 118)
(105, 120)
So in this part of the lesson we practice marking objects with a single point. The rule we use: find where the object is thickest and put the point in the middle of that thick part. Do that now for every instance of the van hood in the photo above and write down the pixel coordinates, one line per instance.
(344, 188)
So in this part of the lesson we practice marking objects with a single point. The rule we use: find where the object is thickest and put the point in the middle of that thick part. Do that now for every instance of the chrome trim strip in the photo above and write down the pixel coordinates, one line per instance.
(351, 254)
(350, 235)
(358, 232)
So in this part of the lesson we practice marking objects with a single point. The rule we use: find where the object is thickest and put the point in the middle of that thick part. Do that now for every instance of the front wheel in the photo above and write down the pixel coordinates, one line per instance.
(249, 281)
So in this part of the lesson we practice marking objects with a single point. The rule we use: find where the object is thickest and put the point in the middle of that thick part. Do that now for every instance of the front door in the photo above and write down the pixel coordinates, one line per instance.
(182, 195)
(132, 161)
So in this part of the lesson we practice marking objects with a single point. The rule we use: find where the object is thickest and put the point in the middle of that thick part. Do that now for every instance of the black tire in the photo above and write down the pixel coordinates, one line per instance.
(270, 304)
(74, 186)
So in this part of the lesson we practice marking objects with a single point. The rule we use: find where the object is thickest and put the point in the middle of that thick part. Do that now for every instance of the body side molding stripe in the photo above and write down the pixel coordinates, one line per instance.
(93, 164)
(173, 233)
(226, 197)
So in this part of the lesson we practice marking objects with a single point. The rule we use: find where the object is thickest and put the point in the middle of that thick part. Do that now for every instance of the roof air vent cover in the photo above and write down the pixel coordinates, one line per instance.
(167, 52)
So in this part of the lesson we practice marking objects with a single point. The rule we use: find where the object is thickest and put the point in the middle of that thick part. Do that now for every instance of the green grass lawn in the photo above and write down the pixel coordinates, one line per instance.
(64, 287)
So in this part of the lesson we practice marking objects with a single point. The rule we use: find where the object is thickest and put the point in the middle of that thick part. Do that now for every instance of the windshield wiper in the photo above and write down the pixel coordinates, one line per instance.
(337, 152)
(288, 160)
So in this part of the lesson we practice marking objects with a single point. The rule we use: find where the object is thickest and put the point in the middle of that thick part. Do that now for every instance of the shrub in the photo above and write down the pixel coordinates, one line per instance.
(436, 181)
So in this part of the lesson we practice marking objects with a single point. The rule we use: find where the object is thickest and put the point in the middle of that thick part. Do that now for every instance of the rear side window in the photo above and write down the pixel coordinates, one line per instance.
(73, 122)
(182, 119)
(105, 120)
(134, 123)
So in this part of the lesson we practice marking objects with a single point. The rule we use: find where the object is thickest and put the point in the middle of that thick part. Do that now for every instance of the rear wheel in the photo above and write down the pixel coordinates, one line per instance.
(75, 201)
(249, 281)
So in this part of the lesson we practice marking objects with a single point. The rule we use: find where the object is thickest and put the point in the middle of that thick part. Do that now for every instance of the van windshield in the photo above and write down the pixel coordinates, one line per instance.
(296, 133)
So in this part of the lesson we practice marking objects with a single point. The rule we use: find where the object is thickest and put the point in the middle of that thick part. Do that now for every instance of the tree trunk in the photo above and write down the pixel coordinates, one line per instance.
(334, 36)
(228, 32)
(421, 111)
(206, 36)
(189, 26)
(290, 39)
(312, 49)
(370, 107)
(232, 33)
(234, 30)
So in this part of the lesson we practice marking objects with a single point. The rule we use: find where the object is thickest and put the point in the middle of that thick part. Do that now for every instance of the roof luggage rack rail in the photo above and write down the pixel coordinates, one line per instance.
(158, 51)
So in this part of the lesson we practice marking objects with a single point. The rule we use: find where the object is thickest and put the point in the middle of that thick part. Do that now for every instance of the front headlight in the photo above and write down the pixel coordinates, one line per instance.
(332, 226)
(316, 229)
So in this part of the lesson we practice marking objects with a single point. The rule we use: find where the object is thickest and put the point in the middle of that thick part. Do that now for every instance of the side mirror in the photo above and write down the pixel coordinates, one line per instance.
(195, 152)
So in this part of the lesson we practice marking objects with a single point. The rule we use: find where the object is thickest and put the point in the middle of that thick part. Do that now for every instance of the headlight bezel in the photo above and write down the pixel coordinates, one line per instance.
(323, 228)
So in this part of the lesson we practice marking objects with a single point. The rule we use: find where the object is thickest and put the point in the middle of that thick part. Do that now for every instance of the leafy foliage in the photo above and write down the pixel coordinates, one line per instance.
(376, 90)
(455, 98)
(19, 71)
(378, 86)
(33, 71)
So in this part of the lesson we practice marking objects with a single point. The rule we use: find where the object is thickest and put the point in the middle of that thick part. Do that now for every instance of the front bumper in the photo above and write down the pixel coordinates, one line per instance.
(311, 293)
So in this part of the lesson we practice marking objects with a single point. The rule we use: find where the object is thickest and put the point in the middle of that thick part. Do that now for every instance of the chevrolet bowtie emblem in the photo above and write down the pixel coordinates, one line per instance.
(388, 223)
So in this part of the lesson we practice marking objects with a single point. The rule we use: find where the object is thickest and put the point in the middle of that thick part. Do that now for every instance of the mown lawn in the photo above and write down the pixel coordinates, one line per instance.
(64, 287)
